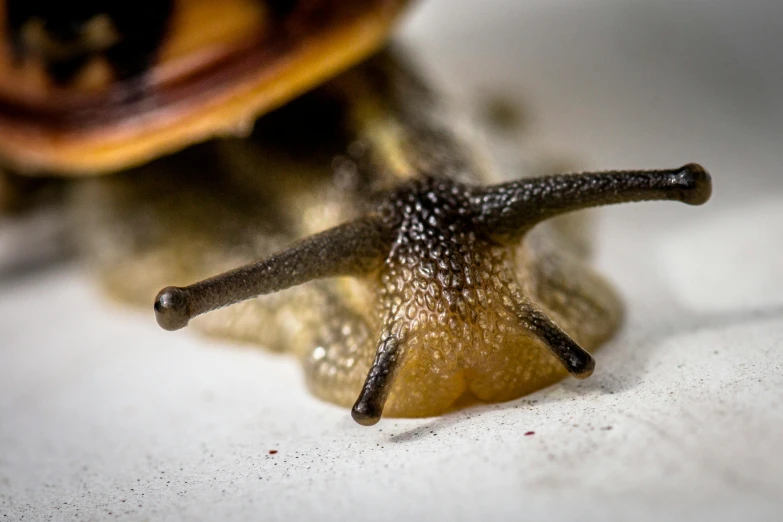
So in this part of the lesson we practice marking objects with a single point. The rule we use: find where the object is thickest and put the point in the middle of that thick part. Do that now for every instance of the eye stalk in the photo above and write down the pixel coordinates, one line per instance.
(350, 249)
(511, 209)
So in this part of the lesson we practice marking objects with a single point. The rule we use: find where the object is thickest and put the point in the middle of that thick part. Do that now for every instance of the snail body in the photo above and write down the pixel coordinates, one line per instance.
(437, 287)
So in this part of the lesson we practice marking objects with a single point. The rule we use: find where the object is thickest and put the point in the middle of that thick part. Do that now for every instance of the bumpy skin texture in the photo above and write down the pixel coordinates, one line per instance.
(425, 287)
(456, 310)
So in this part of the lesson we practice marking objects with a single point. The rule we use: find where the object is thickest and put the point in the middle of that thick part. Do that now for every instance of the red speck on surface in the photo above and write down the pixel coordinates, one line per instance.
(529, 433)
(272, 452)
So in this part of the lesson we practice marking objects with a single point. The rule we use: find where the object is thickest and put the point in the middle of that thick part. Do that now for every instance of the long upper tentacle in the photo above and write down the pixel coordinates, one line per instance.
(354, 248)
(511, 209)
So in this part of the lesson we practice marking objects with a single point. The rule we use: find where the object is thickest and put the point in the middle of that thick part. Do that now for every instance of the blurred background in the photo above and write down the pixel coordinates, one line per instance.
(628, 82)
(104, 416)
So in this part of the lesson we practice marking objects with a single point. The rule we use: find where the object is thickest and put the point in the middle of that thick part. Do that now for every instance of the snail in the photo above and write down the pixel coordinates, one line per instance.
(374, 238)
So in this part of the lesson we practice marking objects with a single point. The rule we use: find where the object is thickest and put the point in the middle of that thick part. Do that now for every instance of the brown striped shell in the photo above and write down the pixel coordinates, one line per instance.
(92, 86)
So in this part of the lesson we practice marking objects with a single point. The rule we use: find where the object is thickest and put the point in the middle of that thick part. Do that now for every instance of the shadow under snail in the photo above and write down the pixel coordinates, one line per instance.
(425, 278)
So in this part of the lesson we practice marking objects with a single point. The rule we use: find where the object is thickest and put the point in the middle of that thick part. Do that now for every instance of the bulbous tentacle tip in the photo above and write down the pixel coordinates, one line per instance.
(365, 414)
(171, 308)
(696, 184)
(584, 369)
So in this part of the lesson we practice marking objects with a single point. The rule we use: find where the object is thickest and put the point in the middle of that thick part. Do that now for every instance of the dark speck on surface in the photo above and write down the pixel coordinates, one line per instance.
(272, 452)
(529, 433)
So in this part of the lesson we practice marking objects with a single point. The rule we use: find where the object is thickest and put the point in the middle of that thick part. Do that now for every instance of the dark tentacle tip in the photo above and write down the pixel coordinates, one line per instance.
(365, 414)
(696, 184)
(171, 308)
(583, 368)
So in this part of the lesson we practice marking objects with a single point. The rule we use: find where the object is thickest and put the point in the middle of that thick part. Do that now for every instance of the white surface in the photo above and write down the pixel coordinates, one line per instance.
(104, 416)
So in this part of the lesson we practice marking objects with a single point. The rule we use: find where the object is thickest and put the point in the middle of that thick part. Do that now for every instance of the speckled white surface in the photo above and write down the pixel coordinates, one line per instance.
(103, 416)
